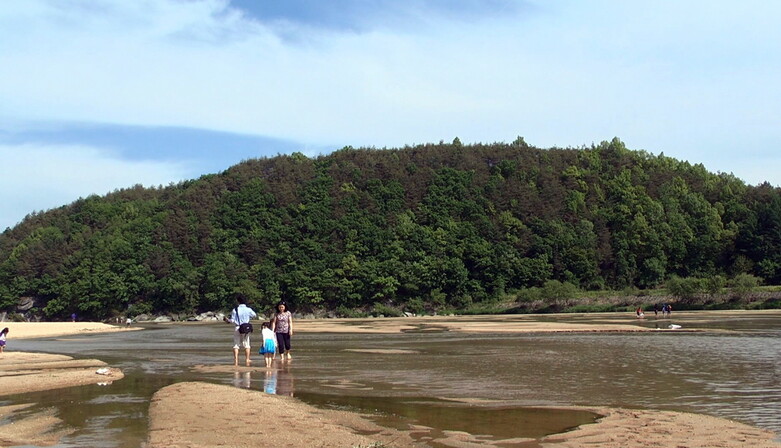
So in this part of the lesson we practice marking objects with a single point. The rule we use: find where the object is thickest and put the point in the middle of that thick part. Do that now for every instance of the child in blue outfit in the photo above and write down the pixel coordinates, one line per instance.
(269, 346)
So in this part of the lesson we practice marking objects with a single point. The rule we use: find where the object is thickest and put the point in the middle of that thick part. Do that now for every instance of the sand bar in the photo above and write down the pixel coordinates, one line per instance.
(29, 330)
(22, 372)
(197, 415)
(229, 416)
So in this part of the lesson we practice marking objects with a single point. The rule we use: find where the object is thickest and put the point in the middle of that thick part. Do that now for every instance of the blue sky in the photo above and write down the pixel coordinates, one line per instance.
(104, 94)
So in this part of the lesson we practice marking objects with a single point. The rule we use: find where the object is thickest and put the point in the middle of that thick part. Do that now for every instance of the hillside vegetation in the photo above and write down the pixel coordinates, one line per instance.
(426, 227)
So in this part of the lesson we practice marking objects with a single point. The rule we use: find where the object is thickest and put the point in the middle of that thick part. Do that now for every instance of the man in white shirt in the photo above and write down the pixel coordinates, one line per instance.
(242, 314)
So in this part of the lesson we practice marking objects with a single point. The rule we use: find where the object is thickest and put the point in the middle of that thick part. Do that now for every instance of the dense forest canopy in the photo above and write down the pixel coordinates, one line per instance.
(442, 225)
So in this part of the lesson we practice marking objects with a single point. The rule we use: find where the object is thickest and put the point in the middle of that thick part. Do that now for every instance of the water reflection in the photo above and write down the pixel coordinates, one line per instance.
(270, 382)
(242, 380)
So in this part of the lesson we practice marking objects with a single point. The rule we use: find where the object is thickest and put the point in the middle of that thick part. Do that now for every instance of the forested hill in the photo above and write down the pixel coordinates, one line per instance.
(438, 225)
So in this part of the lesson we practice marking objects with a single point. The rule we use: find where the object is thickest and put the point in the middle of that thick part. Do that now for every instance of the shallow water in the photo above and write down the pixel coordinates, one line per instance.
(405, 377)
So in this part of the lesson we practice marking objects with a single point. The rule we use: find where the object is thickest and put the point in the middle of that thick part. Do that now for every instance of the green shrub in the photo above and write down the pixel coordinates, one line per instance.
(415, 305)
(556, 290)
(343, 311)
(685, 288)
(745, 283)
(380, 309)
(714, 284)
(528, 294)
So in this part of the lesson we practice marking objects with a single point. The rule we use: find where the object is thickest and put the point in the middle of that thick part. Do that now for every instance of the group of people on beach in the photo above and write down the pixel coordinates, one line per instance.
(275, 333)
(666, 310)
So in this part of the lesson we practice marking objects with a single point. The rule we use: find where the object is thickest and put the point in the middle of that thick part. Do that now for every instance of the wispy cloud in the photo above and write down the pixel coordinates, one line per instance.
(696, 80)
(35, 178)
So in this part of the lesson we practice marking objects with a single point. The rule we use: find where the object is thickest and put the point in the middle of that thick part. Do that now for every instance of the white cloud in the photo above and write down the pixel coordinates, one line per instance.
(686, 78)
(36, 177)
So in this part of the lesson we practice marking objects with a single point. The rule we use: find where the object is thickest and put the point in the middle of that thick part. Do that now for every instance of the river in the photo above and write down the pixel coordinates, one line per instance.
(733, 371)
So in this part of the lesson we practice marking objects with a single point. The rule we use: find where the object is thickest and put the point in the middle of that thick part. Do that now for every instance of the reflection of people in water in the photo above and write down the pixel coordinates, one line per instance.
(270, 382)
(285, 381)
(242, 379)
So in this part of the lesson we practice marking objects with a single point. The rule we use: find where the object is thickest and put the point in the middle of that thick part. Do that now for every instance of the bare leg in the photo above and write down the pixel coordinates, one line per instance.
(246, 354)
(235, 357)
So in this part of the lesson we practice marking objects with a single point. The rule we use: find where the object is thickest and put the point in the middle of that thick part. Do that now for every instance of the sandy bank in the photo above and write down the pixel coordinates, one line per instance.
(22, 372)
(197, 415)
(28, 330)
(623, 428)
(466, 324)
(33, 429)
(527, 323)
(245, 418)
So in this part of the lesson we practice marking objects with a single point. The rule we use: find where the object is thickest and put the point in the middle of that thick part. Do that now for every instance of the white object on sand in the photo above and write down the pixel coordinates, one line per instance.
(103, 371)
(674, 327)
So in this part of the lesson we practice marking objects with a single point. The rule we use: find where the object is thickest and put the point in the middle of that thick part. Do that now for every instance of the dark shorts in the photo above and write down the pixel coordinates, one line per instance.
(283, 342)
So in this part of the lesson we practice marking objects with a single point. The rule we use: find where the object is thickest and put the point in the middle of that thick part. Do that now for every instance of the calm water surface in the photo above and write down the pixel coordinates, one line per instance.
(734, 374)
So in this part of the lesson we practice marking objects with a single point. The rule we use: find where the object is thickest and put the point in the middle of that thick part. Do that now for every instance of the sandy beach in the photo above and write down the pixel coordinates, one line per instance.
(230, 416)
(27, 330)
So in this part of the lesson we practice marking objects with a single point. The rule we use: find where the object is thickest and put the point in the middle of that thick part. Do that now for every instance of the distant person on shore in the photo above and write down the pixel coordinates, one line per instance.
(668, 309)
(269, 347)
(242, 314)
(282, 326)
(128, 321)
(3, 337)
(73, 317)
(656, 310)
(640, 313)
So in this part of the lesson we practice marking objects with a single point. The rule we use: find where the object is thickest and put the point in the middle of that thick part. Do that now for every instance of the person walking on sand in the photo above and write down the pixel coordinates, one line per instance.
(269, 347)
(242, 314)
(282, 326)
(3, 336)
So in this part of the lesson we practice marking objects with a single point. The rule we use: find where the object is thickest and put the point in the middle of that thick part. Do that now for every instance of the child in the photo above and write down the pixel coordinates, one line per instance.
(269, 346)
(2, 339)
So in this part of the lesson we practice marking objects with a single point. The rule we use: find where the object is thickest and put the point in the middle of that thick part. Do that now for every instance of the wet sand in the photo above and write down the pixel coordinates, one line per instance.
(624, 428)
(238, 418)
(22, 372)
(206, 415)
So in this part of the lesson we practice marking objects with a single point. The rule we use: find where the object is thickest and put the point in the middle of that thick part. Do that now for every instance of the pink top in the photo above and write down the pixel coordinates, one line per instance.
(283, 322)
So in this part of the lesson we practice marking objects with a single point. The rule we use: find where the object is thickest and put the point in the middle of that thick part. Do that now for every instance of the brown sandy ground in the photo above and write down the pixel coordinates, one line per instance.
(199, 415)
(623, 428)
(465, 324)
(22, 372)
(34, 429)
(523, 323)
(29, 330)
(196, 415)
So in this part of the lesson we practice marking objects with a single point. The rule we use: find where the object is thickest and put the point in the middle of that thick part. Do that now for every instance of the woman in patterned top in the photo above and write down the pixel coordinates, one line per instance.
(282, 325)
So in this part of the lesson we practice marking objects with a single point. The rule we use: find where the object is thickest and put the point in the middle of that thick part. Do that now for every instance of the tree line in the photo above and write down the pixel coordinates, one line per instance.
(429, 226)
